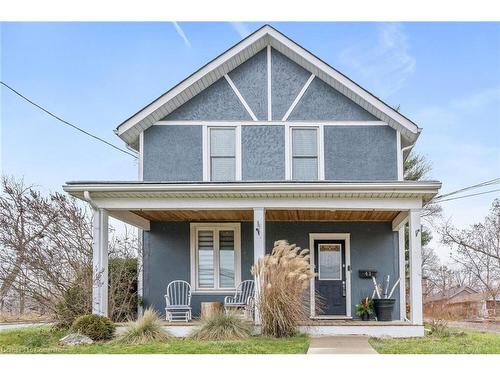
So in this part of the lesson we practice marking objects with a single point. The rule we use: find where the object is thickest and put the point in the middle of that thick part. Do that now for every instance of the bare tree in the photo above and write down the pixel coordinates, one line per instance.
(24, 219)
(46, 253)
(477, 250)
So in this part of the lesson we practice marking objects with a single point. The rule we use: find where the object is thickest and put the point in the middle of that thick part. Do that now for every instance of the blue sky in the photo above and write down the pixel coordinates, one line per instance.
(444, 76)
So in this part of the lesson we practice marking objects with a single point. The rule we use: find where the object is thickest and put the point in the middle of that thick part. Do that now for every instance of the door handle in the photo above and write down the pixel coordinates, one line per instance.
(343, 288)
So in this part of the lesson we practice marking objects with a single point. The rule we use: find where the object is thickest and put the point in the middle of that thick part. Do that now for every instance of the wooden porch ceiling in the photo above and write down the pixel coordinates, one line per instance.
(271, 215)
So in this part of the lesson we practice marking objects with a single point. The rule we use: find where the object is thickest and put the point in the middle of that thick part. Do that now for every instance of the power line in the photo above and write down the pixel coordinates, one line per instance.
(476, 186)
(468, 195)
(66, 122)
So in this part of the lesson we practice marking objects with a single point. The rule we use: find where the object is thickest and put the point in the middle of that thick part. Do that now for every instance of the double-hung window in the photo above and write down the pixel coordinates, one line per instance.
(215, 256)
(222, 154)
(304, 153)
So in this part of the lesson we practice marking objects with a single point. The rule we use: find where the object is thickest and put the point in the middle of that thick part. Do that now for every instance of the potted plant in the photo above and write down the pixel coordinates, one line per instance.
(365, 309)
(383, 304)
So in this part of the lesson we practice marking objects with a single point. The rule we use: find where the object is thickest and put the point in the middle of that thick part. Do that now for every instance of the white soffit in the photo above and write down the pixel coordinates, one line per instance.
(130, 129)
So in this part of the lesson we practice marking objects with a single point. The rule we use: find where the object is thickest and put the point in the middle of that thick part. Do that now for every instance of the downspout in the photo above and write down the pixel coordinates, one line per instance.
(408, 147)
(87, 198)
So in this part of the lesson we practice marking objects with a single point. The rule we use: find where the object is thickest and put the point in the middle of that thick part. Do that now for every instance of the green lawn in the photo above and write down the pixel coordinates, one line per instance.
(471, 342)
(45, 340)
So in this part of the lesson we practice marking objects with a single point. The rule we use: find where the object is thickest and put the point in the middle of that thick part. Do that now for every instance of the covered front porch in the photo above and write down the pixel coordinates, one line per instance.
(366, 220)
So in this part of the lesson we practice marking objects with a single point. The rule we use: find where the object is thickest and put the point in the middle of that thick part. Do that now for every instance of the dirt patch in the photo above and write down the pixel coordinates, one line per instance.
(478, 326)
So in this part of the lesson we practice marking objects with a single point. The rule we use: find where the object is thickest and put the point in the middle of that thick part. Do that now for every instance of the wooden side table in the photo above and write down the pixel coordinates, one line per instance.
(209, 309)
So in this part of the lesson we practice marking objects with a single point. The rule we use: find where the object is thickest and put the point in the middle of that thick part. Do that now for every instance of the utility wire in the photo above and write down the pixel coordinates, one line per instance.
(66, 122)
(466, 196)
(476, 186)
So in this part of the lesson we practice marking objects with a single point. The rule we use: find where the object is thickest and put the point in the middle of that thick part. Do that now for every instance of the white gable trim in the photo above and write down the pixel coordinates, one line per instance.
(269, 85)
(297, 99)
(240, 97)
(268, 37)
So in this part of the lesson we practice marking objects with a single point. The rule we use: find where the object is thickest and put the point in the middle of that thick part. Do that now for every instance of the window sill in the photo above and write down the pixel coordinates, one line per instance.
(214, 291)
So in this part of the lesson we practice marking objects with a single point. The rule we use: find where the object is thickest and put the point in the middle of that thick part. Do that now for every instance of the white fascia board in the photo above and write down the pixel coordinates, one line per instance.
(368, 187)
(382, 204)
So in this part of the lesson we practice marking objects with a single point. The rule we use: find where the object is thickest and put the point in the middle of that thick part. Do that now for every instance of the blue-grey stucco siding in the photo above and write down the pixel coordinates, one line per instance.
(374, 246)
(167, 258)
(321, 102)
(167, 255)
(218, 102)
(360, 153)
(287, 79)
(173, 153)
(251, 80)
(263, 153)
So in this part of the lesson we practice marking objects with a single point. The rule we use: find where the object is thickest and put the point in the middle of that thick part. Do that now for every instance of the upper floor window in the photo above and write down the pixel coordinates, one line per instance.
(304, 153)
(222, 154)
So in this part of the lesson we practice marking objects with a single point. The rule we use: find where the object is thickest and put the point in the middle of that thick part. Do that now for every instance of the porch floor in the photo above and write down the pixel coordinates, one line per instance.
(314, 322)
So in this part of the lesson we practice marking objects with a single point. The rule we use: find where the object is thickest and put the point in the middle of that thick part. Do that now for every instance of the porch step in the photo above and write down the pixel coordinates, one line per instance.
(340, 345)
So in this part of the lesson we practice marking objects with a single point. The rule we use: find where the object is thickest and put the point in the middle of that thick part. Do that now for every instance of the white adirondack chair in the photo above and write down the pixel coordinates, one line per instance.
(242, 299)
(178, 301)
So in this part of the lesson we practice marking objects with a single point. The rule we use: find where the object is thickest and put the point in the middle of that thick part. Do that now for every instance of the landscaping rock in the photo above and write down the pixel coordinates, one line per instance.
(76, 339)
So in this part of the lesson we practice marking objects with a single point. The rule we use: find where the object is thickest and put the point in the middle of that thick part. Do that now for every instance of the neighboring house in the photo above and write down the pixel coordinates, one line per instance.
(462, 303)
(268, 142)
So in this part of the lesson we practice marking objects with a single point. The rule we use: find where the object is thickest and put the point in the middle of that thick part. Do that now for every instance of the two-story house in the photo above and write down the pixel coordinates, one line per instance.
(268, 142)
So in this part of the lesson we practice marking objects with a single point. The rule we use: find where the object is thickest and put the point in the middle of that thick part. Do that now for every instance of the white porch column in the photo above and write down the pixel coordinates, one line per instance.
(140, 275)
(259, 247)
(415, 257)
(402, 273)
(100, 262)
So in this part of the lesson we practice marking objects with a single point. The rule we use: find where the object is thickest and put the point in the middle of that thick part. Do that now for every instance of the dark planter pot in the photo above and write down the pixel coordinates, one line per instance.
(365, 317)
(383, 309)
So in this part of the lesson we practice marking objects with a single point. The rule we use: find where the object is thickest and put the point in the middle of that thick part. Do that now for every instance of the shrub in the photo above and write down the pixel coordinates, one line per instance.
(94, 326)
(123, 289)
(284, 279)
(222, 327)
(75, 302)
(146, 329)
(77, 298)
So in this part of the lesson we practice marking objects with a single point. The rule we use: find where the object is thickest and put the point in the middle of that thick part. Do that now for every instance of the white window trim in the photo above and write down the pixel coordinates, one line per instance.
(331, 236)
(320, 133)
(206, 150)
(216, 227)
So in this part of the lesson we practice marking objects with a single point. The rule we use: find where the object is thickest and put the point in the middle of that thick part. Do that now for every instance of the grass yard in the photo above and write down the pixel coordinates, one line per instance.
(44, 340)
(471, 342)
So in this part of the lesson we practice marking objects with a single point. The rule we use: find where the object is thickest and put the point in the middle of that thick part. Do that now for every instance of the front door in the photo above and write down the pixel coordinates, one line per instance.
(330, 281)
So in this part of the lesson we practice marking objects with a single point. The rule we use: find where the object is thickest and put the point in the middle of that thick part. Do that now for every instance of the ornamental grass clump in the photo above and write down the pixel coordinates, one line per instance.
(283, 278)
(222, 327)
(145, 329)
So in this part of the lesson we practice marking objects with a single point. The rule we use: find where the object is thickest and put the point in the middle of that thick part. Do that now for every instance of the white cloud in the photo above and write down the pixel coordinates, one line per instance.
(385, 63)
(181, 33)
(241, 28)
